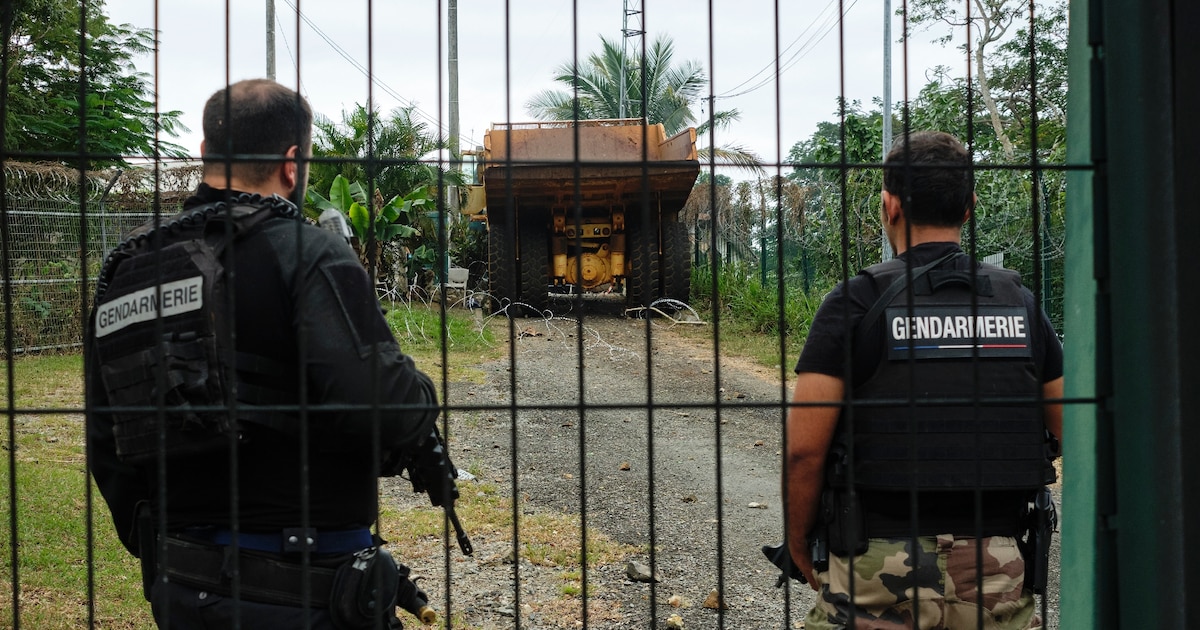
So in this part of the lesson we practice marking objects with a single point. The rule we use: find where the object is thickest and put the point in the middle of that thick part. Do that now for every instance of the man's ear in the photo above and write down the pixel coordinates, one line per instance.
(892, 212)
(201, 148)
(289, 170)
(970, 209)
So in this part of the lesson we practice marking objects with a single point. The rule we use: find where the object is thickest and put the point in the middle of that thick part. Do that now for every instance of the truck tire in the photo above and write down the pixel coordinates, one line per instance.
(535, 267)
(502, 266)
(641, 256)
(677, 261)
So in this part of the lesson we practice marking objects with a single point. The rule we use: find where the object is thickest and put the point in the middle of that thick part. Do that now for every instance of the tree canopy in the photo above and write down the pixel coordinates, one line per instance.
(397, 143)
(46, 73)
(827, 210)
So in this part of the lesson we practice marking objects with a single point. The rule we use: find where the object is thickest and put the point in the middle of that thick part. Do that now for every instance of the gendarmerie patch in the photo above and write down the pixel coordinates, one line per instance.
(178, 297)
(955, 332)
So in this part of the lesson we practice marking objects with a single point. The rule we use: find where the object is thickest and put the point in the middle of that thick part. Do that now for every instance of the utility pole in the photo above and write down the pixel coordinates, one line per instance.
(271, 39)
(626, 34)
(452, 199)
(452, 63)
(887, 106)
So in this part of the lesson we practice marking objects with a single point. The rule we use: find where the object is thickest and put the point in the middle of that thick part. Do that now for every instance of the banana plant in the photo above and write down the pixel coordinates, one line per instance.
(396, 220)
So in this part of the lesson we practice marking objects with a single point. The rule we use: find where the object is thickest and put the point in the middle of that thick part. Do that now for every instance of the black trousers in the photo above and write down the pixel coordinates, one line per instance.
(180, 607)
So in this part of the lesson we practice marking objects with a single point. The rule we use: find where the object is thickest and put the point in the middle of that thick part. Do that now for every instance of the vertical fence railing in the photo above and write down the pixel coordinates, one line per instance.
(526, 411)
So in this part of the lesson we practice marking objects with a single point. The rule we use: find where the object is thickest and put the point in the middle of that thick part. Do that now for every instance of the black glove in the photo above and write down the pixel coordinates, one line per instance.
(431, 471)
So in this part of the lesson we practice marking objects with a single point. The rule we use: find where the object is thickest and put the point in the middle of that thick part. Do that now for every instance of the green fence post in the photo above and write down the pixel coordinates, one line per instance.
(1080, 569)
(1148, 134)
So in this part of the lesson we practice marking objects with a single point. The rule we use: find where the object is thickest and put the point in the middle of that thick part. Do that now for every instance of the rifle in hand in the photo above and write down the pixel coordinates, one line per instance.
(430, 470)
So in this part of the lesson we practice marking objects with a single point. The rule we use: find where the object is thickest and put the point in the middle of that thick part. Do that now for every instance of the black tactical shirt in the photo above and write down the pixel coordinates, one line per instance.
(302, 299)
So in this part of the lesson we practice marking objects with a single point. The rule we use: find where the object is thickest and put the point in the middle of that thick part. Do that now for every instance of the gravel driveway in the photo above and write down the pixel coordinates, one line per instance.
(710, 517)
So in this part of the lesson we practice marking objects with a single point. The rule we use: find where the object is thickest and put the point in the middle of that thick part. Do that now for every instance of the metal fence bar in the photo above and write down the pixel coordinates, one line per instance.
(83, 235)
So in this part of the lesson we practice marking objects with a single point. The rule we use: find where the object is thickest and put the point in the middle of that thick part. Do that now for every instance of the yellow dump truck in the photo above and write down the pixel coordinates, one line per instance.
(588, 207)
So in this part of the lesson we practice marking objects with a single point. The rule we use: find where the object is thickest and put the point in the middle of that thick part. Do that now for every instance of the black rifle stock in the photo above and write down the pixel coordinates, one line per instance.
(430, 471)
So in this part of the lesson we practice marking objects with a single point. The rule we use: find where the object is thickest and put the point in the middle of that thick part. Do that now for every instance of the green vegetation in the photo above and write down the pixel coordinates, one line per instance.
(821, 219)
(752, 322)
(368, 158)
(418, 328)
(44, 106)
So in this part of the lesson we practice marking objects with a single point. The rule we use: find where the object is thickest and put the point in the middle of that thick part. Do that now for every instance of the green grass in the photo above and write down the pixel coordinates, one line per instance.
(751, 324)
(418, 329)
(51, 510)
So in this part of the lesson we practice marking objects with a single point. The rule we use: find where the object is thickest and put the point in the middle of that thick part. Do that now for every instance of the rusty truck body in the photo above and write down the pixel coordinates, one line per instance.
(587, 207)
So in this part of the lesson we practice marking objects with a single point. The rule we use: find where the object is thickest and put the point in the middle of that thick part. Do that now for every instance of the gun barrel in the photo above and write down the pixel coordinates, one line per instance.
(464, 543)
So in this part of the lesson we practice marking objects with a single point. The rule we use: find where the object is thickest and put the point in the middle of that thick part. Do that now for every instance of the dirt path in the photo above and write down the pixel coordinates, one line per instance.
(708, 522)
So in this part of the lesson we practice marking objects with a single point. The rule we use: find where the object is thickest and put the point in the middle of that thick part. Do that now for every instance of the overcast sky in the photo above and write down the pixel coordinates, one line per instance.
(505, 60)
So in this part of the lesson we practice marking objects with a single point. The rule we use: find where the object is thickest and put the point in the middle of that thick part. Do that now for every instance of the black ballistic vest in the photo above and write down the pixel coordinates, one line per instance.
(953, 403)
(162, 331)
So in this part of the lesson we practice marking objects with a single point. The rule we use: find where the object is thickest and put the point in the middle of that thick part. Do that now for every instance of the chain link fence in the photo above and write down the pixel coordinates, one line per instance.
(58, 226)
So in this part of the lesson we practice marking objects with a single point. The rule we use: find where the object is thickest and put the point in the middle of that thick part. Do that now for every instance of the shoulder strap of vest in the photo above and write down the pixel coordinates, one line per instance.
(233, 224)
(273, 206)
(898, 285)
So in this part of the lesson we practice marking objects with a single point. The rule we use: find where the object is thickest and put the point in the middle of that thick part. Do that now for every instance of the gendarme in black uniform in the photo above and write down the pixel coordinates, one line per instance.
(948, 346)
(307, 329)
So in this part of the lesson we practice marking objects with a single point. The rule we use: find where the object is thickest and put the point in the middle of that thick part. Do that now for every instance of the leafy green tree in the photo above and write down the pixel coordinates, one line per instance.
(44, 73)
(392, 153)
(841, 193)
(593, 91)
(1017, 207)
(1003, 25)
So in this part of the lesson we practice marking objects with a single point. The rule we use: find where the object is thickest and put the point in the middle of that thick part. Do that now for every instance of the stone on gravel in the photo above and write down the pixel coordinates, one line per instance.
(674, 622)
(639, 572)
(714, 600)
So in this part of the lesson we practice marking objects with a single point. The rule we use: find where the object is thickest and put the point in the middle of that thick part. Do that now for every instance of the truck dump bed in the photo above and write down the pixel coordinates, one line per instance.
(586, 207)
(541, 165)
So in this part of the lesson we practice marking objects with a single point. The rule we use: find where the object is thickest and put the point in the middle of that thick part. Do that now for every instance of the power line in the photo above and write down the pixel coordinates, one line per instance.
(828, 23)
(771, 65)
(287, 47)
(362, 69)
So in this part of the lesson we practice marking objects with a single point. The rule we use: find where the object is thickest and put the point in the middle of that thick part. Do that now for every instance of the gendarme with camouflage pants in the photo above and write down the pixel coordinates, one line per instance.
(946, 593)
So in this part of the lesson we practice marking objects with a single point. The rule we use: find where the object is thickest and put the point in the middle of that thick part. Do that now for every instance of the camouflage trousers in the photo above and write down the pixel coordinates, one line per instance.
(940, 594)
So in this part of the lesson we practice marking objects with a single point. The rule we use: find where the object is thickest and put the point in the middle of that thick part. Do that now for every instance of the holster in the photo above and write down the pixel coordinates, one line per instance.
(1040, 523)
(844, 522)
(364, 590)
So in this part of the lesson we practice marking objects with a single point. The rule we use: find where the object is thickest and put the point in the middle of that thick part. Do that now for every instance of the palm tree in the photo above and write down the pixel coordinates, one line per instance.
(594, 91)
(385, 158)
(398, 143)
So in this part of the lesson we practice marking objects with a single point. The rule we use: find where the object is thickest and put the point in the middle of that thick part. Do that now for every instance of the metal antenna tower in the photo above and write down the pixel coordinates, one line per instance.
(633, 8)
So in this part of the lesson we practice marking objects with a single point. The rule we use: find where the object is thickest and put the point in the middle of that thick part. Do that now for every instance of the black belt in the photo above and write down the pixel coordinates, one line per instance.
(263, 578)
(289, 540)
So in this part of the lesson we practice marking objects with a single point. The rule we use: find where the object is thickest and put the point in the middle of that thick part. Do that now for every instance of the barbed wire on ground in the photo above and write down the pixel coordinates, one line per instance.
(677, 306)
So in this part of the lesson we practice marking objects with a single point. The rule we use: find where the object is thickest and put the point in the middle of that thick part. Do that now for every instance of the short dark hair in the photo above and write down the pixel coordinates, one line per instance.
(930, 172)
(265, 118)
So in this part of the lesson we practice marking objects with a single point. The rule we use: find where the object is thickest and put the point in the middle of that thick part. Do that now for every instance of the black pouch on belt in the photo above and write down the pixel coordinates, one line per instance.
(364, 590)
